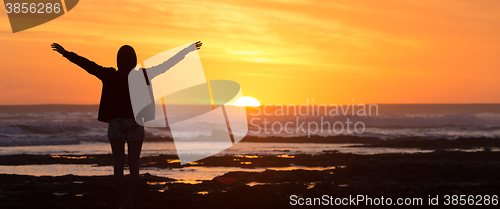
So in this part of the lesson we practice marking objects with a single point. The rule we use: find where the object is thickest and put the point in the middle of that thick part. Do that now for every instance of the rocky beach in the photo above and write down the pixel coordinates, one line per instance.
(444, 171)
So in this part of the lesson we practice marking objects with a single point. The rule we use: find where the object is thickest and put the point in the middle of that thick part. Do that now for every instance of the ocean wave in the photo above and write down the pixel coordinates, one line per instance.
(398, 120)
(41, 129)
(51, 128)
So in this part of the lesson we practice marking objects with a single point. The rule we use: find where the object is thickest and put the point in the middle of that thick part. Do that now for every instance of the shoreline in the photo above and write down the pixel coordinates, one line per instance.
(401, 142)
(390, 175)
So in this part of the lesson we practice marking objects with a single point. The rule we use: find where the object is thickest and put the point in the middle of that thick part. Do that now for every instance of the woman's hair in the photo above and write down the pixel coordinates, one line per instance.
(126, 59)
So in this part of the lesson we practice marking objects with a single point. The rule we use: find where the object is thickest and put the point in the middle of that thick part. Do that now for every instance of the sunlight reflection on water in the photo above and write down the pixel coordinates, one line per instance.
(243, 148)
(183, 175)
(188, 174)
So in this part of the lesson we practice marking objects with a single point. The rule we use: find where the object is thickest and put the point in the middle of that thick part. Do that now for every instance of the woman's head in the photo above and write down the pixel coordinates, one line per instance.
(126, 59)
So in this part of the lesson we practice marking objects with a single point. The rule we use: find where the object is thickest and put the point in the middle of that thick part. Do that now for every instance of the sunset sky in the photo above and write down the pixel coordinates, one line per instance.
(280, 51)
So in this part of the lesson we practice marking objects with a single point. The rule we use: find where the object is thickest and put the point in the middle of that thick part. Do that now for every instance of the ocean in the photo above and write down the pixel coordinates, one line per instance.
(74, 130)
(77, 124)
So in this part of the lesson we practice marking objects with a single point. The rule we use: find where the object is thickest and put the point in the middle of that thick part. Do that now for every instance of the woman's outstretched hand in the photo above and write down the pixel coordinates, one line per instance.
(198, 45)
(58, 48)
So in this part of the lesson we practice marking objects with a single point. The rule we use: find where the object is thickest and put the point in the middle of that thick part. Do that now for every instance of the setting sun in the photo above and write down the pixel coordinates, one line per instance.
(247, 101)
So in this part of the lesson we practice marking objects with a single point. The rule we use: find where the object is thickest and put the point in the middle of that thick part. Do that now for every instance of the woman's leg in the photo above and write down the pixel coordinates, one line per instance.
(118, 148)
(134, 152)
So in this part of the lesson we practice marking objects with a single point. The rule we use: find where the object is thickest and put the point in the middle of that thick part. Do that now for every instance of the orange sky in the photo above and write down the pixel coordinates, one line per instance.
(384, 51)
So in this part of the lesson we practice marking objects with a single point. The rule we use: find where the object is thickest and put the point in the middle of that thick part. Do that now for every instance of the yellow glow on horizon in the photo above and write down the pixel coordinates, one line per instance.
(247, 101)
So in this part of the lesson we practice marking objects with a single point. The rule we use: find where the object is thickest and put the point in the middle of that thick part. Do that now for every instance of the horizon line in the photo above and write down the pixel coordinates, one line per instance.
(62, 104)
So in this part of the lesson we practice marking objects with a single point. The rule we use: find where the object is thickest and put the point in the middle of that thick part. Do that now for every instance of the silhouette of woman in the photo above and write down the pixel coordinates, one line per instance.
(115, 109)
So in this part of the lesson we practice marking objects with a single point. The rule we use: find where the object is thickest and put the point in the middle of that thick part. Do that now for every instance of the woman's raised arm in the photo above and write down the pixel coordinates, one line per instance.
(89, 66)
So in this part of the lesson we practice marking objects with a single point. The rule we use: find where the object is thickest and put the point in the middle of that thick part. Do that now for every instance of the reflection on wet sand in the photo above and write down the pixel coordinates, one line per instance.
(192, 175)
(202, 192)
(286, 156)
(71, 157)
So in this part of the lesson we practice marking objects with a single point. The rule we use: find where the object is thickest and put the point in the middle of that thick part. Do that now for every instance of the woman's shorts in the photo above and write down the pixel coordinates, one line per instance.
(124, 129)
